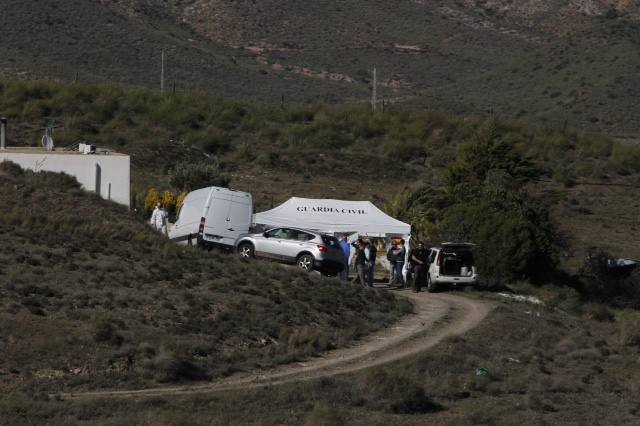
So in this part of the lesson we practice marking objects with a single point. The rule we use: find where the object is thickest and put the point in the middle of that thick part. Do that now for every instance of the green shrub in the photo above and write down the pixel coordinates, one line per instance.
(595, 145)
(625, 159)
(9, 168)
(597, 312)
(324, 415)
(396, 393)
(306, 340)
(106, 332)
(190, 176)
(167, 367)
(630, 329)
(150, 200)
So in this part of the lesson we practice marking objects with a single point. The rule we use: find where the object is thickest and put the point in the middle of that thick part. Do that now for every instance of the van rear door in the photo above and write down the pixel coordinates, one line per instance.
(186, 225)
(228, 216)
(240, 215)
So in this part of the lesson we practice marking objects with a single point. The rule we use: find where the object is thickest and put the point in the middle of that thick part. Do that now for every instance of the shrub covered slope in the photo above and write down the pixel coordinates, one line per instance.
(542, 367)
(545, 62)
(92, 297)
(347, 152)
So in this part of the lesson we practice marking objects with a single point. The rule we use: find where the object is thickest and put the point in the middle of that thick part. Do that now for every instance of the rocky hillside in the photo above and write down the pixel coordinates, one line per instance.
(547, 62)
(247, 22)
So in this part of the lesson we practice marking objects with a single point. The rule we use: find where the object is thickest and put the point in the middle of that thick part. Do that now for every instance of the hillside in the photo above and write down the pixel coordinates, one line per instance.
(589, 181)
(91, 297)
(544, 62)
(541, 365)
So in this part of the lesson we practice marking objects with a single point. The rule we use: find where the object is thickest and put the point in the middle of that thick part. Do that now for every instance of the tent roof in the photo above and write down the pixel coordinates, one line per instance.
(333, 216)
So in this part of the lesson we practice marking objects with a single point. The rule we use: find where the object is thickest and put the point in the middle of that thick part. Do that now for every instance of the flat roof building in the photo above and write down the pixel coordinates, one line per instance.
(106, 173)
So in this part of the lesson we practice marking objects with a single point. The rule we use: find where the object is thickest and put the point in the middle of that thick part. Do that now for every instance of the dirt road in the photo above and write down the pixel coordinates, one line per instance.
(436, 317)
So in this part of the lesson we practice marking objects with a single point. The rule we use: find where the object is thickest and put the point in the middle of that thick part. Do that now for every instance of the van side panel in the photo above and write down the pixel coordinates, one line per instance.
(228, 215)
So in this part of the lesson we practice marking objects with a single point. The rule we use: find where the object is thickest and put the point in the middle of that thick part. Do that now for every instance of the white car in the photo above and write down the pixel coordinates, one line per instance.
(451, 263)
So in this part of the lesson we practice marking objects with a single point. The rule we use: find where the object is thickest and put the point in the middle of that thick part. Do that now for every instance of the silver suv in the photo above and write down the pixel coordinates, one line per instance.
(307, 249)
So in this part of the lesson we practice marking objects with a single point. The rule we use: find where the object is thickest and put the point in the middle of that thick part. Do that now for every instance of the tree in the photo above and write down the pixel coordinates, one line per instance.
(150, 201)
(169, 201)
(486, 151)
(180, 200)
(190, 176)
(515, 236)
(421, 208)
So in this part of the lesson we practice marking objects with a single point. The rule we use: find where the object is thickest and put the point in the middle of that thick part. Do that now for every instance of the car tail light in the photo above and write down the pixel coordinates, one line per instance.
(439, 259)
(201, 227)
(323, 249)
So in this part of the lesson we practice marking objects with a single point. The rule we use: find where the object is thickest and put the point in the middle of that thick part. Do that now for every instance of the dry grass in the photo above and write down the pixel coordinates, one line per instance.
(542, 368)
(104, 303)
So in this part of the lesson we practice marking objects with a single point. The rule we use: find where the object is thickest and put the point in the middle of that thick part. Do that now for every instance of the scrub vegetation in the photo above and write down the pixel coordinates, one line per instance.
(545, 62)
(112, 304)
(399, 157)
(159, 131)
(524, 364)
(92, 297)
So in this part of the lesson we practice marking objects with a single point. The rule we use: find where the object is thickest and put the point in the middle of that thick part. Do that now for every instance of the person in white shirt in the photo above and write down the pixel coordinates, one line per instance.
(159, 219)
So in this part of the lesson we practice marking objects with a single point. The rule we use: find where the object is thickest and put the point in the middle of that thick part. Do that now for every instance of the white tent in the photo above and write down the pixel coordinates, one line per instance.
(334, 217)
(355, 218)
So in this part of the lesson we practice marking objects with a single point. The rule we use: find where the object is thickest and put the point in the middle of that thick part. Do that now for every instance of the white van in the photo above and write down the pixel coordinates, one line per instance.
(213, 217)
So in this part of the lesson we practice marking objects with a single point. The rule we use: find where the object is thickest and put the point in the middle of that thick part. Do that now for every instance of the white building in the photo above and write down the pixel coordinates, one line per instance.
(105, 173)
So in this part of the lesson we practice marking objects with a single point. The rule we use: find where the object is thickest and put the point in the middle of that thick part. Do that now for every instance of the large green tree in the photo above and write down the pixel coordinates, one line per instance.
(515, 236)
(486, 151)
(486, 202)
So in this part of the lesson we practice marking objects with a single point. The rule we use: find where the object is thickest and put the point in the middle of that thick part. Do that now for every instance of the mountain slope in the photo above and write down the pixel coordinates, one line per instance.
(546, 62)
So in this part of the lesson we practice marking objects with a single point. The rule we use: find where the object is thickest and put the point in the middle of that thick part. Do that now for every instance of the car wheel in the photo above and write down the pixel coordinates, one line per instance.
(305, 262)
(245, 250)
(431, 286)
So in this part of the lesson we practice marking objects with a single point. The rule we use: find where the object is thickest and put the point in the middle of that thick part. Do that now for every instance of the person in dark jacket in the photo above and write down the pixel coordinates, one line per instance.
(370, 252)
(391, 257)
(420, 260)
(360, 260)
(400, 259)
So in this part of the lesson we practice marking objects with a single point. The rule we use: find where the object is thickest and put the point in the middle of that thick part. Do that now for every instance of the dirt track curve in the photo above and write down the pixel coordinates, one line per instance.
(436, 316)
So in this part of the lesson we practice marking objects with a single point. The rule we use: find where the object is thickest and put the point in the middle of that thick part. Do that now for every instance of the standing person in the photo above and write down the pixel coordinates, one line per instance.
(346, 249)
(371, 254)
(420, 260)
(159, 219)
(367, 251)
(360, 260)
(401, 253)
(391, 257)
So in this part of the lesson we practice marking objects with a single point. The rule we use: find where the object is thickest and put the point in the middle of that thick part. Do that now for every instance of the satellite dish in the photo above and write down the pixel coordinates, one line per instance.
(47, 143)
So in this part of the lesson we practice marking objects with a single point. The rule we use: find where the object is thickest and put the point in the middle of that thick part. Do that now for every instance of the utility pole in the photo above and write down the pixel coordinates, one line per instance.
(3, 132)
(374, 91)
(162, 73)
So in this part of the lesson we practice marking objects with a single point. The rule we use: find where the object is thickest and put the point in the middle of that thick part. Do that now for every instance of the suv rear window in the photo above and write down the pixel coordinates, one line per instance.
(464, 253)
(330, 241)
